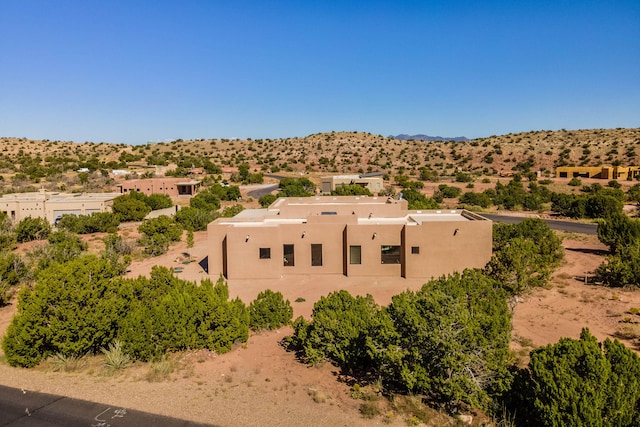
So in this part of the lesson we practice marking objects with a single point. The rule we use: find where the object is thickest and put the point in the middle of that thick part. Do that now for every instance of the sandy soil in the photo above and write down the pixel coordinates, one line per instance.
(260, 384)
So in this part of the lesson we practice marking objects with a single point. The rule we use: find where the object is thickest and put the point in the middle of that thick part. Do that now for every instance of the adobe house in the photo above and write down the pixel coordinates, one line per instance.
(172, 187)
(350, 235)
(52, 205)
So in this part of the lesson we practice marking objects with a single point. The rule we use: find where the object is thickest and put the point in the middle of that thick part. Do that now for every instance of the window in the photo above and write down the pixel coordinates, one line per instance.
(415, 250)
(316, 255)
(390, 254)
(265, 253)
(355, 255)
(289, 260)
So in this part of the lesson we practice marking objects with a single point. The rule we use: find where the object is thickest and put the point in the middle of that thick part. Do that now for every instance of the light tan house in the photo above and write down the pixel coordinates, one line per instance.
(52, 205)
(172, 187)
(371, 181)
(351, 236)
(600, 172)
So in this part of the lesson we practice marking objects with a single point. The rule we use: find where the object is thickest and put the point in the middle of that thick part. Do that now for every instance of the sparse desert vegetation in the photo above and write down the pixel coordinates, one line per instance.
(372, 343)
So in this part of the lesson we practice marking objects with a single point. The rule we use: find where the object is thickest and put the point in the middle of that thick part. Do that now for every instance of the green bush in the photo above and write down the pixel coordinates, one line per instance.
(579, 382)
(451, 340)
(575, 182)
(519, 259)
(270, 311)
(62, 314)
(351, 190)
(341, 329)
(158, 233)
(12, 271)
(195, 219)
(129, 207)
(267, 200)
(97, 222)
(82, 306)
(32, 229)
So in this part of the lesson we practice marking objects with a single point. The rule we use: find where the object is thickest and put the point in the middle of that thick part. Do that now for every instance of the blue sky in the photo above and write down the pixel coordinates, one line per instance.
(138, 71)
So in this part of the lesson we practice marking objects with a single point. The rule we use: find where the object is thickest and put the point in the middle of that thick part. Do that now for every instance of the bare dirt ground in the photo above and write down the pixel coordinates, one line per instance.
(261, 384)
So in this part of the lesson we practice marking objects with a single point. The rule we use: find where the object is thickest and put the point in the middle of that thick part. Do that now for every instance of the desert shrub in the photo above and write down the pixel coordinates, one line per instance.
(340, 330)
(296, 187)
(418, 201)
(579, 382)
(463, 177)
(173, 314)
(267, 200)
(231, 211)
(158, 233)
(115, 357)
(351, 190)
(158, 201)
(446, 192)
(32, 229)
(97, 222)
(129, 207)
(519, 261)
(62, 246)
(451, 340)
(114, 244)
(575, 182)
(475, 199)
(270, 311)
(195, 219)
(64, 315)
(12, 271)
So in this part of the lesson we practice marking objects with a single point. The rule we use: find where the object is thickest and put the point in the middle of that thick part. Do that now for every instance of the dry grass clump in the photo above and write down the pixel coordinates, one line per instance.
(63, 363)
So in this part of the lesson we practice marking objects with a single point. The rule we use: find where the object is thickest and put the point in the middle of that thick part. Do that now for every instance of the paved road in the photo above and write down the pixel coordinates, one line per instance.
(19, 408)
(262, 190)
(574, 227)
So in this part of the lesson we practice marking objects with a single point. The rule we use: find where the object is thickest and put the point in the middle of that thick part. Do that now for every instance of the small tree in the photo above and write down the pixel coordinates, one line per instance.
(579, 382)
(32, 229)
(270, 311)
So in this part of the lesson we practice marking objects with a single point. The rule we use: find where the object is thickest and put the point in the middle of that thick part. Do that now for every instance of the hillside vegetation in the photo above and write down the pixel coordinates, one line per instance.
(44, 161)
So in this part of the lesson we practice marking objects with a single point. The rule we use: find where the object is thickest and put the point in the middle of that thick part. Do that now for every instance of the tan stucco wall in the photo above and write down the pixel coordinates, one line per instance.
(444, 250)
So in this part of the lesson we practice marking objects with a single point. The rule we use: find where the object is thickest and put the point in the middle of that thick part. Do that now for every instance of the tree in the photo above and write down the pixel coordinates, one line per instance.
(63, 314)
(158, 233)
(129, 208)
(418, 200)
(519, 261)
(270, 311)
(351, 190)
(579, 382)
(452, 340)
(158, 201)
(195, 219)
(341, 330)
(32, 229)
(12, 271)
(475, 199)
(267, 200)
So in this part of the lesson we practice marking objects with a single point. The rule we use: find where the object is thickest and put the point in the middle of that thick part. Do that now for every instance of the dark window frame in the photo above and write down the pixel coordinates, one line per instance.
(265, 253)
(316, 255)
(289, 259)
(390, 254)
(355, 260)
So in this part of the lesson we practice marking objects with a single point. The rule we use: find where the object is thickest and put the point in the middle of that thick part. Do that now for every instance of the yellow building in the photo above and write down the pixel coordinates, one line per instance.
(599, 172)
(350, 236)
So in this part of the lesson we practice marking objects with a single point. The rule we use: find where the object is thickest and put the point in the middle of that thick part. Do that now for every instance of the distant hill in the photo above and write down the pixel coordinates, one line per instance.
(421, 137)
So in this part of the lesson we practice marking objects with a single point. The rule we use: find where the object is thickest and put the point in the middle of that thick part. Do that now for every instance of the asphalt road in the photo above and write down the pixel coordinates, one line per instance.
(574, 227)
(21, 408)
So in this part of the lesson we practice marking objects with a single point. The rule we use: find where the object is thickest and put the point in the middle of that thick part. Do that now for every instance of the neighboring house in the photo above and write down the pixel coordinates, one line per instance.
(351, 236)
(600, 172)
(120, 172)
(371, 181)
(52, 205)
(172, 187)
